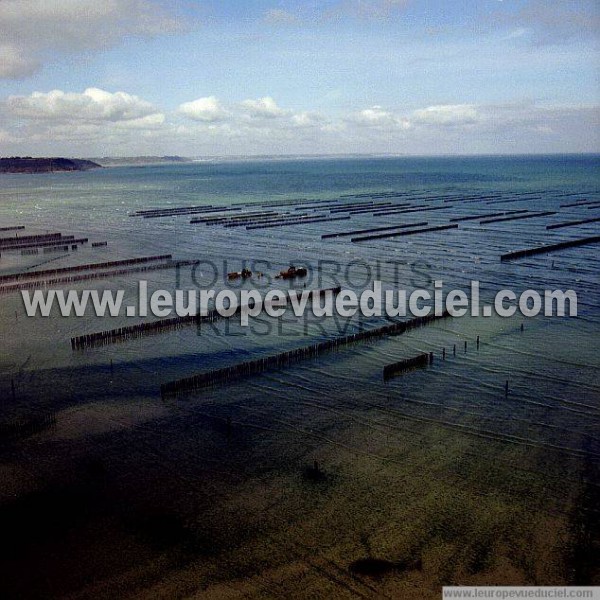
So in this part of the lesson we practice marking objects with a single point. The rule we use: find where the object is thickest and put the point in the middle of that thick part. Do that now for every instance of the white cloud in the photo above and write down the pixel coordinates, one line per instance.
(263, 108)
(446, 114)
(207, 109)
(153, 121)
(34, 31)
(261, 114)
(92, 105)
(376, 116)
(307, 119)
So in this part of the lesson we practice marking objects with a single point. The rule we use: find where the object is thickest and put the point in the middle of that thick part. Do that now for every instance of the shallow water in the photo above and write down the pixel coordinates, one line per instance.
(436, 465)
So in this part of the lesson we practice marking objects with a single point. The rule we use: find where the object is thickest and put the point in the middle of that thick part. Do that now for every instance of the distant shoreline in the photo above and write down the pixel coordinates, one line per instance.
(156, 161)
(140, 161)
(29, 166)
(33, 165)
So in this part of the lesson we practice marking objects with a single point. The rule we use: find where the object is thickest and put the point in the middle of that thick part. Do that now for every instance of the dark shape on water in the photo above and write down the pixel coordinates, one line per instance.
(314, 473)
(24, 426)
(372, 567)
(95, 468)
(416, 362)
(244, 274)
(162, 530)
(292, 273)
(378, 567)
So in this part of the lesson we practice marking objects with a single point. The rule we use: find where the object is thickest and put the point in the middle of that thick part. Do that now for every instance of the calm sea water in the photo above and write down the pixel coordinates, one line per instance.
(106, 401)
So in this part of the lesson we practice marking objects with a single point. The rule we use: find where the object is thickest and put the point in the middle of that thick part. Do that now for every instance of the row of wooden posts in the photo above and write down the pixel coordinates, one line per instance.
(332, 206)
(497, 214)
(243, 220)
(579, 203)
(288, 202)
(86, 267)
(573, 223)
(535, 215)
(297, 221)
(63, 240)
(420, 360)
(347, 203)
(95, 275)
(269, 220)
(594, 239)
(222, 219)
(373, 229)
(408, 364)
(425, 359)
(26, 427)
(130, 332)
(412, 209)
(340, 204)
(11, 241)
(183, 210)
(403, 232)
(285, 359)
(55, 249)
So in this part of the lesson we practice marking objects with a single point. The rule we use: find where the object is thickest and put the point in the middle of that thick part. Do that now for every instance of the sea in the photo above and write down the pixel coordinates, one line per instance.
(319, 478)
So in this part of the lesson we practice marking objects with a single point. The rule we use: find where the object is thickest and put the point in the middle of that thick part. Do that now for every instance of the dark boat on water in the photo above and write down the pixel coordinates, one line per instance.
(292, 273)
(243, 274)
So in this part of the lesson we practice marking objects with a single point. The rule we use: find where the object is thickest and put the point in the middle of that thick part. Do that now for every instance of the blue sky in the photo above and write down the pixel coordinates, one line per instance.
(199, 78)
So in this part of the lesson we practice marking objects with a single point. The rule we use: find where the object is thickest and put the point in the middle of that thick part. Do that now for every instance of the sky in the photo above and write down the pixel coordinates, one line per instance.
(265, 77)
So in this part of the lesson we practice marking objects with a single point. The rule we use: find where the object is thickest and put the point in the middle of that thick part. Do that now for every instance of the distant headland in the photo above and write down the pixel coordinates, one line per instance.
(28, 164)
(141, 161)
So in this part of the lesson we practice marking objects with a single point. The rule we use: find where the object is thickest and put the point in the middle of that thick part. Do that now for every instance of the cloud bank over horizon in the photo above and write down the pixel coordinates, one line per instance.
(96, 122)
